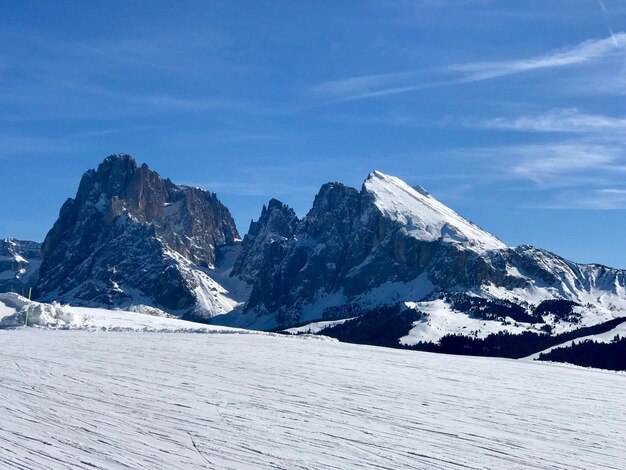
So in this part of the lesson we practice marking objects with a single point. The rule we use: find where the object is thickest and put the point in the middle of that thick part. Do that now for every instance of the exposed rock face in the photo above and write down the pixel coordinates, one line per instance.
(19, 265)
(392, 243)
(130, 237)
(265, 240)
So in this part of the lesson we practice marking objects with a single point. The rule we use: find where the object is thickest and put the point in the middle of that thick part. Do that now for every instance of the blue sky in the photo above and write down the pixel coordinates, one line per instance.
(511, 112)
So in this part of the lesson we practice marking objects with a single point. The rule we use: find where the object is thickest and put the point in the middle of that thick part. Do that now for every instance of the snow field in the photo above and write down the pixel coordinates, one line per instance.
(85, 400)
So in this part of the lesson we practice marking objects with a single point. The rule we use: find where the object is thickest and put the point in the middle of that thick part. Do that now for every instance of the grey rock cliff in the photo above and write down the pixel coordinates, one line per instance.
(265, 240)
(131, 237)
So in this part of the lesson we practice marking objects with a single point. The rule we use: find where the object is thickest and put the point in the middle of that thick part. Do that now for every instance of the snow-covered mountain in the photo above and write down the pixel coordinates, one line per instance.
(389, 255)
(130, 237)
(393, 245)
(19, 265)
(423, 217)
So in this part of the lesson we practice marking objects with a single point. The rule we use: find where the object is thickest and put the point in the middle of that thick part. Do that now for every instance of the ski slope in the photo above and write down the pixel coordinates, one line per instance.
(607, 337)
(131, 400)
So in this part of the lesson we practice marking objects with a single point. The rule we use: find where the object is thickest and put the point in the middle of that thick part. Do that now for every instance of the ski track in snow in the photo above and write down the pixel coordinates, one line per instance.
(85, 400)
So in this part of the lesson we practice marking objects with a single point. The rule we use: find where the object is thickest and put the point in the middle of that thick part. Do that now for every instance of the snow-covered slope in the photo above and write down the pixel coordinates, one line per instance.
(442, 319)
(211, 296)
(315, 327)
(425, 217)
(14, 308)
(607, 337)
(105, 400)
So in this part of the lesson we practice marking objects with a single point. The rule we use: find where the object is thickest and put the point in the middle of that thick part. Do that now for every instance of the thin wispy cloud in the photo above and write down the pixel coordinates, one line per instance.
(172, 52)
(16, 145)
(111, 131)
(156, 102)
(605, 13)
(99, 77)
(362, 84)
(371, 86)
(569, 120)
(543, 164)
(170, 102)
(12, 145)
(588, 199)
(578, 174)
(548, 165)
(579, 54)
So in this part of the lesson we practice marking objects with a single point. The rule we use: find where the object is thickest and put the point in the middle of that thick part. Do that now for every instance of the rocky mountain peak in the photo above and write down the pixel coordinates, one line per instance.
(423, 216)
(130, 237)
(125, 214)
(118, 168)
(109, 179)
(368, 244)
(334, 211)
(265, 239)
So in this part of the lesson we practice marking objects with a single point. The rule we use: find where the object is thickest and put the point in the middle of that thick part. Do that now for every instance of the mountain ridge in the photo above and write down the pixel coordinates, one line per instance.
(130, 238)
(362, 250)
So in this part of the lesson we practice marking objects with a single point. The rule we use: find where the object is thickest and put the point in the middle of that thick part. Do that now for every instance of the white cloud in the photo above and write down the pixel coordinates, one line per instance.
(370, 86)
(362, 84)
(19, 145)
(576, 174)
(591, 199)
(557, 120)
(584, 52)
(576, 163)
(542, 163)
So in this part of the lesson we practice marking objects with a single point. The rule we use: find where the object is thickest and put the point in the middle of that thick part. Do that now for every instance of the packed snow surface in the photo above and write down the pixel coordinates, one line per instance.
(424, 216)
(95, 400)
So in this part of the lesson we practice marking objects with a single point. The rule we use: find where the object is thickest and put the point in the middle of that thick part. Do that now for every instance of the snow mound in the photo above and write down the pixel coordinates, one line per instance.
(13, 308)
(423, 216)
(50, 315)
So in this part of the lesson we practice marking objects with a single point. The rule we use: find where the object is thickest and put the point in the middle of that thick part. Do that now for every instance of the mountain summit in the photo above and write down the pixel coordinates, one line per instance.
(423, 216)
(130, 237)
(391, 244)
